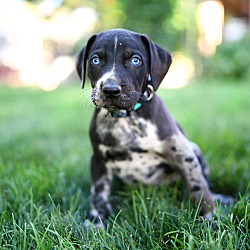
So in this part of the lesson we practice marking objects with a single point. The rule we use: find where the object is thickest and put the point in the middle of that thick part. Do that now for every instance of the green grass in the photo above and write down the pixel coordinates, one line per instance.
(44, 173)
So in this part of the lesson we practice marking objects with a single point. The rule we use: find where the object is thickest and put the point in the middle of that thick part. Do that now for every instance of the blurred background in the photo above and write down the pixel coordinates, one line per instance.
(40, 38)
(44, 118)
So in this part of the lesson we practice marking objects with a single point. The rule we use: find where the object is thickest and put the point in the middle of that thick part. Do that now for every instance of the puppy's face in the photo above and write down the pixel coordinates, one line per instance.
(119, 63)
(117, 68)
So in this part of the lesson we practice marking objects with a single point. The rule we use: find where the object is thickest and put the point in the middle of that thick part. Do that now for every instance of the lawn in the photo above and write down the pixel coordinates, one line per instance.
(45, 181)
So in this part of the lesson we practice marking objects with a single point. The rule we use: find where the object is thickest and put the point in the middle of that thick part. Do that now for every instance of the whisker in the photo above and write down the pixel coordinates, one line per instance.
(86, 97)
(136, 92)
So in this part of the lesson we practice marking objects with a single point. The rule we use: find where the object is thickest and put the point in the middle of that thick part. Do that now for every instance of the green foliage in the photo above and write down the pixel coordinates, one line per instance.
(147, 16)
(44, 169)
(168, 22)
(232, 61)
(171, 23)
(78, 3)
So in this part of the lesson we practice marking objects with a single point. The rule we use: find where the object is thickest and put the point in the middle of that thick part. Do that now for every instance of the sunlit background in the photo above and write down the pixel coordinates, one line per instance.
(39, 39)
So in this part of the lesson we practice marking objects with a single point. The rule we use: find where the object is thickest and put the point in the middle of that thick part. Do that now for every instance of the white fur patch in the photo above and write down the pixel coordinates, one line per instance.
(115, 45)
(132, 133)
(111, 73)
(105, 77)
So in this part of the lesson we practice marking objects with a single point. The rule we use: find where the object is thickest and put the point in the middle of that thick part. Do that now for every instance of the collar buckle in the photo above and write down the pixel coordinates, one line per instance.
(120, 113)
(149, 93)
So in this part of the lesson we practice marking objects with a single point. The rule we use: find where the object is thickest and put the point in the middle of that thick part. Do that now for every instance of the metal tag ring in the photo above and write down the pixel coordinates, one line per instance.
(151, 92)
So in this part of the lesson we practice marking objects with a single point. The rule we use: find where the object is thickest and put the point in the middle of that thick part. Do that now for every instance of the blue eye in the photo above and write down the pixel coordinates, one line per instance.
(95, 61)
(136, 61)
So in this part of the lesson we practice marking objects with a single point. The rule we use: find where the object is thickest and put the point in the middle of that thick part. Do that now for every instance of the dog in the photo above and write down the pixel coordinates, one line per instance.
(132, 132)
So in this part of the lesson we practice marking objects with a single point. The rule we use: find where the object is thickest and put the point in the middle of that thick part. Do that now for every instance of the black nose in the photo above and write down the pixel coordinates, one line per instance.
(111, 89)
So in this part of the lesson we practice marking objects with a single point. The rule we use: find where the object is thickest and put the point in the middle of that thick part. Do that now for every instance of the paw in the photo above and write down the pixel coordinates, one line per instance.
(224, 199)
(213, 219)
(208, 216)
(94, 221)
(94, 225)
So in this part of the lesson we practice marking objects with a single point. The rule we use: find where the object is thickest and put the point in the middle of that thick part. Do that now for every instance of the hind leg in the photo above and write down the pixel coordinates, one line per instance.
(220, 198)
(188, 159)
(200, 157)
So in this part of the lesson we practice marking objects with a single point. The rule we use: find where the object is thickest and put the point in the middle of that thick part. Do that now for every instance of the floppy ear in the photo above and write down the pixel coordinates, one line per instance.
(159, 61)
(81, 60)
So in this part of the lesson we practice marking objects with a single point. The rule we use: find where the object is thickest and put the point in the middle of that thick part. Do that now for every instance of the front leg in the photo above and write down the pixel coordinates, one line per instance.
(100, 192)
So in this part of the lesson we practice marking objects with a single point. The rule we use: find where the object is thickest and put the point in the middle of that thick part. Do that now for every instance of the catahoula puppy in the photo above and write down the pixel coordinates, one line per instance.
(133, 134)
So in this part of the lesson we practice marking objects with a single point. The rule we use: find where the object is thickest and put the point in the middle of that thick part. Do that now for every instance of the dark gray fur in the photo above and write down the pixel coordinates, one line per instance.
(147, 145)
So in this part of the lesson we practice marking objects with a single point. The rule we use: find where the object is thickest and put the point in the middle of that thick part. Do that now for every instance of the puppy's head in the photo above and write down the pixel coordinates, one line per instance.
(119, 63)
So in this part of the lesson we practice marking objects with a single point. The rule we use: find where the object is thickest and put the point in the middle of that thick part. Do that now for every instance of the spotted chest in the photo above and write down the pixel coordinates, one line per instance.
(132, 149)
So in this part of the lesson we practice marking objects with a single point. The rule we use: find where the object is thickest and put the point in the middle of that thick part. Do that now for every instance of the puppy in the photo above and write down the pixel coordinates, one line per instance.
(132, 132)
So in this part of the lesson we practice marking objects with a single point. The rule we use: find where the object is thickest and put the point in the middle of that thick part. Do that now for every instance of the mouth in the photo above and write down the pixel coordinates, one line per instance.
(112, 107)
(123, 102)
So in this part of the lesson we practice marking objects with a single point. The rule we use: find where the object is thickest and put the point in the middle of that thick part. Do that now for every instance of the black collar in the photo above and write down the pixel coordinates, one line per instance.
(125, 113)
